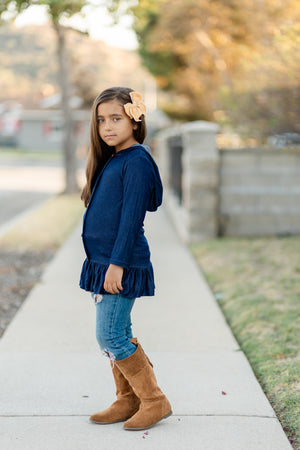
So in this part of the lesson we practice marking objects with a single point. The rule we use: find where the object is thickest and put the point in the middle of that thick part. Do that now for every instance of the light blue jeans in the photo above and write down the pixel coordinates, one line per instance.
(113, 325)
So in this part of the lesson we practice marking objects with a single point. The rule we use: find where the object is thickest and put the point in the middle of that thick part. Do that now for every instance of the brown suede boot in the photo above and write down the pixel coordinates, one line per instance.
(125, 406)
(154, 404)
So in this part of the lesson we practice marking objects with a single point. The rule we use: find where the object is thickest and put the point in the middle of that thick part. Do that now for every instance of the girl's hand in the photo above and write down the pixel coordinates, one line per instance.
(113, 279)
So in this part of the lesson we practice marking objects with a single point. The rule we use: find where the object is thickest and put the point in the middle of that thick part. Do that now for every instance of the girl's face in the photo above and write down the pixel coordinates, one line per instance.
(114, 126)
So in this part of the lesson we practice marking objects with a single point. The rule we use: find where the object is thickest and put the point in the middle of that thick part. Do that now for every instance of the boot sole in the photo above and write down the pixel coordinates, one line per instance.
(149, 426)
(108, 423)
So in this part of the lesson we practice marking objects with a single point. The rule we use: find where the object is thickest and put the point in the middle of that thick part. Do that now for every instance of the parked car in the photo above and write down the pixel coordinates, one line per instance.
(284, 140)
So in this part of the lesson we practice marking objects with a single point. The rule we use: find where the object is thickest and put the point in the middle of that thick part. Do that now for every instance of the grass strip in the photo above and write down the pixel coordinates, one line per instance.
(48, 227)
(257, 285)
(12, 153)
(27, 248)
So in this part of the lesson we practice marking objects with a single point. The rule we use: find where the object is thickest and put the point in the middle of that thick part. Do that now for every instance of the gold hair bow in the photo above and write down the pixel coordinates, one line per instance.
(137, 108)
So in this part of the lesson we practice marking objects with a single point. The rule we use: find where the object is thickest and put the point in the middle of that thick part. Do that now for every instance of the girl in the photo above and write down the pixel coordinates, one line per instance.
(123, 182)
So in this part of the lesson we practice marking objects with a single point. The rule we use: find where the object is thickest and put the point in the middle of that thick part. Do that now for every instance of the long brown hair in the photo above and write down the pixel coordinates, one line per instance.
(100, 152)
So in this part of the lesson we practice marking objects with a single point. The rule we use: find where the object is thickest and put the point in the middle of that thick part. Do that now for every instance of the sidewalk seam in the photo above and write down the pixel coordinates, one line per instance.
(174, 415)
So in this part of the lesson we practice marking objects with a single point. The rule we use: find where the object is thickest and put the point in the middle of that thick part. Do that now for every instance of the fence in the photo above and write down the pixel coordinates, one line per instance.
(240, 192)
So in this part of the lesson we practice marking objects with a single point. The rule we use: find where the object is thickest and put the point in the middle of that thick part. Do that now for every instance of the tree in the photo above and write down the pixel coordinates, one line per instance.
(58, 9)
(193, 48)
(237, 60)
(8, 5)
(266, 100)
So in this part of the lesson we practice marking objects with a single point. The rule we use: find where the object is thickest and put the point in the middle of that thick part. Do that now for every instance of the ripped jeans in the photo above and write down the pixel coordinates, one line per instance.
(113, 325)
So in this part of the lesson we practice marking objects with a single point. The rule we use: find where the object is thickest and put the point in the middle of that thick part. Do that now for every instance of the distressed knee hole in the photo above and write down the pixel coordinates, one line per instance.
(109, 355)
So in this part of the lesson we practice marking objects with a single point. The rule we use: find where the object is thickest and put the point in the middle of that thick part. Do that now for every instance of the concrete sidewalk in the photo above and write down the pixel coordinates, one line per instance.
(52, 375)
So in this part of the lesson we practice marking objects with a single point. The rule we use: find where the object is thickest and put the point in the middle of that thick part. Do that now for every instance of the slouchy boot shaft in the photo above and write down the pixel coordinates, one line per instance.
(125, 406)
(154, 404)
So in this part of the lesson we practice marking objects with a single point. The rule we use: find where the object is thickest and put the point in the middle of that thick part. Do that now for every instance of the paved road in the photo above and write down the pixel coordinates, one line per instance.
(14, 203)
(24, 185)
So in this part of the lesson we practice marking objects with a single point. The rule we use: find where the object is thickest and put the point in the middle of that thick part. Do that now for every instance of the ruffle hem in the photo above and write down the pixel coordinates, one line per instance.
(136, 281)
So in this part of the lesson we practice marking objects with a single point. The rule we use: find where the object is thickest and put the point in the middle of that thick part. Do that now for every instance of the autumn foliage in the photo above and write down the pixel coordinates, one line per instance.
(233, 61)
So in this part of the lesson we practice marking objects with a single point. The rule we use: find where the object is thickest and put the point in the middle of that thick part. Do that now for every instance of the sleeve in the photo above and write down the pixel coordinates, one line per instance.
(137, 188)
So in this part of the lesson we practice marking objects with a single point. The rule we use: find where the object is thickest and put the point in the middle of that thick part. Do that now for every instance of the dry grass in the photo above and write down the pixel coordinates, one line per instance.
(257, 285)
(48, 227)
(28, 247)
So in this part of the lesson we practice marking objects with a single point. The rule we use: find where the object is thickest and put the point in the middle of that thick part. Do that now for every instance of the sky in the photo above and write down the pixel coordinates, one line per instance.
(97, 22)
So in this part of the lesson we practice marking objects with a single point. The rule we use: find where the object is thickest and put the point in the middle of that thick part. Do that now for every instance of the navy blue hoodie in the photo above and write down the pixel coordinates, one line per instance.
(113, 232)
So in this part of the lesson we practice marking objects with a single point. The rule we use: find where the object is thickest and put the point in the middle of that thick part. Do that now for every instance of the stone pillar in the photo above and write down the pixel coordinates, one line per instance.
(200, 181)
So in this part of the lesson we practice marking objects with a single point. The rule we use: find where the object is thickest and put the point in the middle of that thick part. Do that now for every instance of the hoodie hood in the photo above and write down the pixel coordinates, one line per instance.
(157, 192)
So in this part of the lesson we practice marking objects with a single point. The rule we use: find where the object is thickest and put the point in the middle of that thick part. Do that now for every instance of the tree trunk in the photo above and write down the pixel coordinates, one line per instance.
(69, 147)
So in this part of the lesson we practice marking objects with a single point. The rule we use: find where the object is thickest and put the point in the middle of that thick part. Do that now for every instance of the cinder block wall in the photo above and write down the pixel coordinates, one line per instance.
(245, 192)
(259, 192)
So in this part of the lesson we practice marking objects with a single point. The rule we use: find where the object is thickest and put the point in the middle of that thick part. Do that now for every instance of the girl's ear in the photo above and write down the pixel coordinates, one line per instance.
(135, 126)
